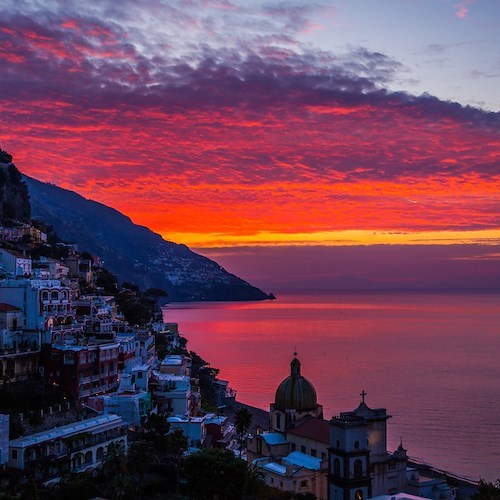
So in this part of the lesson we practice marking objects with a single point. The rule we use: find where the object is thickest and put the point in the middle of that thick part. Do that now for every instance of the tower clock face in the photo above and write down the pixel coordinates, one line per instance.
(358, 495)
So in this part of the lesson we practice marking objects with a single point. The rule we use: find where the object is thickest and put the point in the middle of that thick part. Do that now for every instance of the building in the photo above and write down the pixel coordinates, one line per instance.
(297, 473)
(19, 349)
(176, 364)
(4, 439)
(192, 427)
(220, 431)
(77, 447)
(45, 303)
(82, 370)
(292, 455)
(359, 464)
(132, 406)
(172, 393)
(15, 264)
(435, 488)
(350, 450)
(295, 398)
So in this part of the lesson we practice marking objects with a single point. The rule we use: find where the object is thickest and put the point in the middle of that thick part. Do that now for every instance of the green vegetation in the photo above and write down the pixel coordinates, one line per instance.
(487, 490)
(213, 473)
(242, 422)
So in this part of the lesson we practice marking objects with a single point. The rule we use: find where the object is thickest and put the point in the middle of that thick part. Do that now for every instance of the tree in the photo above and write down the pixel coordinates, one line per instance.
(217, 473)
(487, 490)
(242, 422)
(156, 293)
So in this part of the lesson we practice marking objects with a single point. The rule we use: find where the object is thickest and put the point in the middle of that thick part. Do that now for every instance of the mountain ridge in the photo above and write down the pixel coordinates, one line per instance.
(133, 252)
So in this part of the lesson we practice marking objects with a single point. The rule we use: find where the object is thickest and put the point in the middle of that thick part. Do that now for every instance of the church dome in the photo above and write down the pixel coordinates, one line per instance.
(295, 392)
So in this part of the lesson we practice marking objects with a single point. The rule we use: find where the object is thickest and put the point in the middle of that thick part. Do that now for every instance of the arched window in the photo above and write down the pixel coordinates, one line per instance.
(278, 420)
(336, 467)
(54, 295)
(45, 295)
(356, 445)
(358, 468)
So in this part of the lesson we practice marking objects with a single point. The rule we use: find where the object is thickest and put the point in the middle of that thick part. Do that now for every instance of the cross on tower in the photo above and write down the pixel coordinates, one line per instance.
(363, 394)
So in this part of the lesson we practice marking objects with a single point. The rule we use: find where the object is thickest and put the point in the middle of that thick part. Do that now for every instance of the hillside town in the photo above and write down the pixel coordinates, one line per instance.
(89, 368)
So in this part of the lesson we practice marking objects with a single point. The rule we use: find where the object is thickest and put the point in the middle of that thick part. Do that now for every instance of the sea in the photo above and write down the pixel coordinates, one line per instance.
(431, 358)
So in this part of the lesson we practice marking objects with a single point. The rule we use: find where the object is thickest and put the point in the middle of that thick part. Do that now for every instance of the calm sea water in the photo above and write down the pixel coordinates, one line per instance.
(433, 360)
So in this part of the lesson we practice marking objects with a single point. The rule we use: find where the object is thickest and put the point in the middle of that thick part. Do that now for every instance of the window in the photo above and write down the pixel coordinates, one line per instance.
(293, 447)
(139, 375)
(303, 484)
(337, 444)
(358, 468)
(278, 420)
(69, 359)
(358, 495)
(391, 466)
(356, 445)
(336, 467)
(14, 455)
(313, 452)
(303, 449)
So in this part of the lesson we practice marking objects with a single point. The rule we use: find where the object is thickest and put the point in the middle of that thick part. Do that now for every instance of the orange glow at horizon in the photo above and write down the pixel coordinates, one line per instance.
(337, 238)
(267, 157)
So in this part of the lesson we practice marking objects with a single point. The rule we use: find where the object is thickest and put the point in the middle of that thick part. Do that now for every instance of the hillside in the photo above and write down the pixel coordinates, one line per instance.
(133, 252)
(14, 198)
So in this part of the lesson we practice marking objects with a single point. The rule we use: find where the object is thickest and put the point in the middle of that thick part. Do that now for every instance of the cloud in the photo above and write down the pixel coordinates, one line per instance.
(195, 118)
(462, 9)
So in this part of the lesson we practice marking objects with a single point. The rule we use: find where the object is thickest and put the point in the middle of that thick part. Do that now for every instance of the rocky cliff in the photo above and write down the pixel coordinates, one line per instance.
(14, 197)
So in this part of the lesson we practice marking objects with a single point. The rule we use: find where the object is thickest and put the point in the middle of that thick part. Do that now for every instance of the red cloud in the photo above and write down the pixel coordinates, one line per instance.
(241, 142)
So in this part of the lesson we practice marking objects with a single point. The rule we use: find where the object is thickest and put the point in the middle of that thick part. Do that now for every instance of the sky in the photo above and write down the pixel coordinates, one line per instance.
(247, 129)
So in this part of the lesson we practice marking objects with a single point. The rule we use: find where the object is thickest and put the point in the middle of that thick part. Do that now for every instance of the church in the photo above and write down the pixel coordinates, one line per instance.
(345, 458)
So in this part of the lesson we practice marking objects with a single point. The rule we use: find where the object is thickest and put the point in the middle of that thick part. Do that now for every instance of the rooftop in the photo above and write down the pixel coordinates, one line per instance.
(273, 438)
(302, 460)
(65, 430)
(7, 307)
(316, 429)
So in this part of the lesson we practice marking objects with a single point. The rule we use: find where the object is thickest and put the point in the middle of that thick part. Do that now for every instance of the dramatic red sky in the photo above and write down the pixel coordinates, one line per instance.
(223, 124)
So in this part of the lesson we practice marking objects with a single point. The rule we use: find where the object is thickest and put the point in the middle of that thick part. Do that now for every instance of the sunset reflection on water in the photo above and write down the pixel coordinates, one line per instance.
(430, 359)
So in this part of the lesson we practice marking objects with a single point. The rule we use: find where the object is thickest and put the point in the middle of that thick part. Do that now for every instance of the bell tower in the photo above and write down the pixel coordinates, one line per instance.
(349, 459)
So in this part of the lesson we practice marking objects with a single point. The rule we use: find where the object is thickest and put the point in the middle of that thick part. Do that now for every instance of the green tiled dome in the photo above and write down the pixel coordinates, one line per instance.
(295, 392)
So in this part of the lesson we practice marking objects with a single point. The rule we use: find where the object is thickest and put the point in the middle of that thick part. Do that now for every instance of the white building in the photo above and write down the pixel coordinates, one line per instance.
(435, 488)
(360, 465)
(172, 393)
(47, 268)
(296, 473)
(44, 302)
(192, 427)
(76, 447)
(15, 264)
(176, 364)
